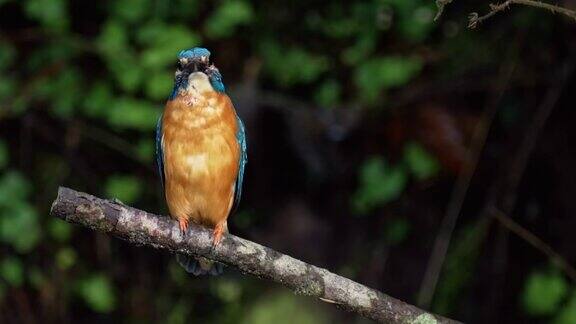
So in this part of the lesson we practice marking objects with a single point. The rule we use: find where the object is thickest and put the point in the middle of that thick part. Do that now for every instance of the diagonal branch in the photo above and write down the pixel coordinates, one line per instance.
(474, 19)
(142, 228)
(535, 241)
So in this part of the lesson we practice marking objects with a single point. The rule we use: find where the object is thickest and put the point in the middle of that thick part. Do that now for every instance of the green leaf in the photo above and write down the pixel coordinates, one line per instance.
(17, 216)
(132, 113)
(227, 17)
(50, 13)
(282, 308)
(65, 91)
(60, 230)
(146, 149)
(12, 270)
(328, 94)
(543, 293)
(129, 76)
(98, 100)
(2, 288)
(159, 85)
(461, 261)
(228, 290)
(7, 55)
(417, 25)
(52, 54)
(19, 226)
(339, 27)
(279, 63)
(375, 75)
(414, 20)
(177, 274)
(8, 87)
(179, 313)
(186, 9)
(114, 44)
(13, 187)
(123, 187)
(114, 39)
(361, 49)
(396, 231)
(420, 162)
(65, 258)
(97, 293)
(36, 278)
(379, 184)
(163, 43)
(567, 314)
(4, 156)
(131, 10)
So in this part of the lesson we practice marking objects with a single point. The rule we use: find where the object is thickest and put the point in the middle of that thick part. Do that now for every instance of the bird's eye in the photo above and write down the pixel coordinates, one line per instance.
(179, 65)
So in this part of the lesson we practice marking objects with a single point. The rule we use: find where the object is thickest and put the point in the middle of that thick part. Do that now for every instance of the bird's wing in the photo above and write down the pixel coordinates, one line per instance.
(241, 138)
(159, 151)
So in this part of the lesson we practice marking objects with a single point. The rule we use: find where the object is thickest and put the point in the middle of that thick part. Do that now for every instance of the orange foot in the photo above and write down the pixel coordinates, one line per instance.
(183, 222)
(218, 231)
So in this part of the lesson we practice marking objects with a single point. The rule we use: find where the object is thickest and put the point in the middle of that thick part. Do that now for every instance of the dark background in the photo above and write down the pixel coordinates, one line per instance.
(363, 120)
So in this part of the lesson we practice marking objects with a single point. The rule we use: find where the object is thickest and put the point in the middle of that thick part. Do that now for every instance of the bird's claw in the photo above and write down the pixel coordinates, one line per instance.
(183, 224)
(218, 231)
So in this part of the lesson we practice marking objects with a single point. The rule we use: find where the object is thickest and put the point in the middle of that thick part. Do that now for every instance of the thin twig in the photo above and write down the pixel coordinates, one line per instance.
(440, 4)
(502, 201)
(114, 142)
(442, 242)
(142, 228)
(474, 19)
(535, 241)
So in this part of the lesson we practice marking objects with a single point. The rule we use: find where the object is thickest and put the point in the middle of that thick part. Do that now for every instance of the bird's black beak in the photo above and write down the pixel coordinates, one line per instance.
(197, 64)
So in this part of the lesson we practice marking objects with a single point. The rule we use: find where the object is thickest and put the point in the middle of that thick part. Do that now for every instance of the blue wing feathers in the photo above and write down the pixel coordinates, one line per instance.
(159, 152)
(241, 137)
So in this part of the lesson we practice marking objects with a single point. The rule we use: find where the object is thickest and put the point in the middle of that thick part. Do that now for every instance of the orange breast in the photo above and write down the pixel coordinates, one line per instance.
(201, 155)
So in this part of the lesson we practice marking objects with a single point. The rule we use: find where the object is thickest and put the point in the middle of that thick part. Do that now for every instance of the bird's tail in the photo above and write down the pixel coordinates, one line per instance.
(199, 265)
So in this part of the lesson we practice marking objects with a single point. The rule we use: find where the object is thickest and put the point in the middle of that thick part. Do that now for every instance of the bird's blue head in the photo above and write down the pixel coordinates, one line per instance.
(196, 59)
(195, 53)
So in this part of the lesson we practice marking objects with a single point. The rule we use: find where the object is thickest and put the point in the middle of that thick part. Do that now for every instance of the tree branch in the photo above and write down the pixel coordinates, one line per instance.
(535, 241)
(474, 19)
(142, 228)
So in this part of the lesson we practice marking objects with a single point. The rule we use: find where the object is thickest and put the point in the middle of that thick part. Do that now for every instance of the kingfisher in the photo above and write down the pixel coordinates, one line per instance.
(201, 152)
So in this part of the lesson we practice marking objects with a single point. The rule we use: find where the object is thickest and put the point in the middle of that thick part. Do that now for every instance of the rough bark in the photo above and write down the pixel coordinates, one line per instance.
(142, 228)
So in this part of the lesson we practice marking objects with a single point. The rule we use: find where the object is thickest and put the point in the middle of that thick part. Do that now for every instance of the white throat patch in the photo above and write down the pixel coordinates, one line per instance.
(198, 82)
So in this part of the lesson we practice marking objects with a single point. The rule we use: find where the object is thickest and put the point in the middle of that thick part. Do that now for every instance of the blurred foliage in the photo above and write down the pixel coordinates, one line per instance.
(397, 231)
(227, 17)
(3, 154)
(282, 308)
(124, 188)
(60, 230)
(98, 293)
(83, 83)
(12, 270)
(544, 292)
(18, 216)
(459, 265)
(379, 184)
(567, 314)
(280, 62)
(420, 163)
(374, 76)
